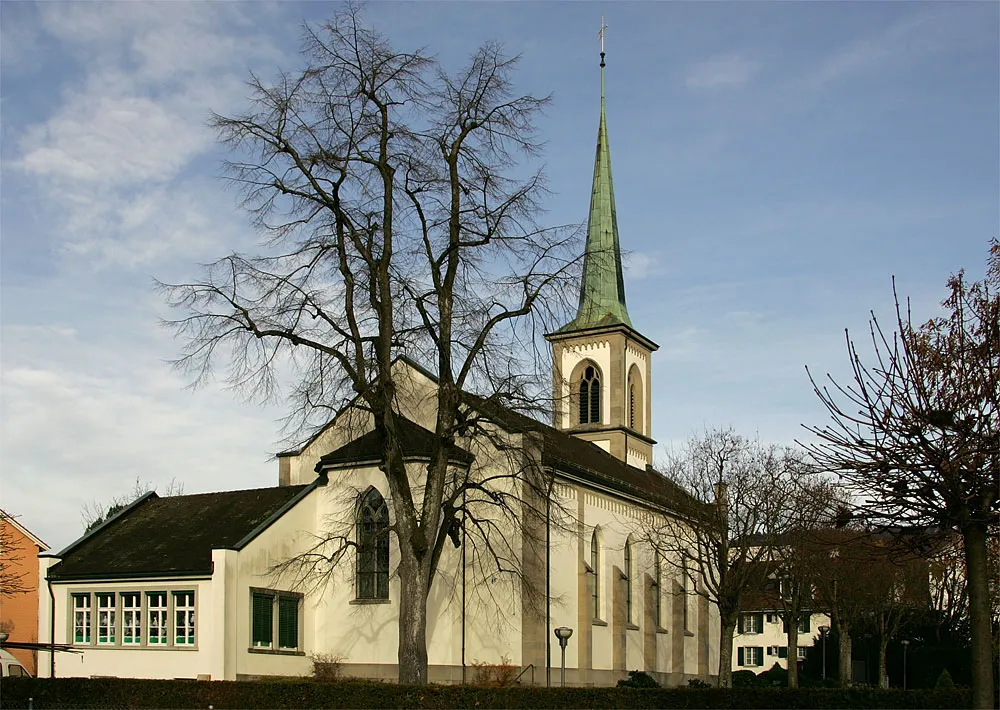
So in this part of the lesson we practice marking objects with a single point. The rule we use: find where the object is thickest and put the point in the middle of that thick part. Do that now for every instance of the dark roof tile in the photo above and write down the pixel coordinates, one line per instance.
(172, 535)
(415, 441)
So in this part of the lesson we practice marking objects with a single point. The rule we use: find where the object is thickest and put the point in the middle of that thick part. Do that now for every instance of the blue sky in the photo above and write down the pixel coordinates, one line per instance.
(775, 165)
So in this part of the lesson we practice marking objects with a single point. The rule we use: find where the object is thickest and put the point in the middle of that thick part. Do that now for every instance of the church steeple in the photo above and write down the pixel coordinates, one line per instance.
(601, 364)
(602, 289)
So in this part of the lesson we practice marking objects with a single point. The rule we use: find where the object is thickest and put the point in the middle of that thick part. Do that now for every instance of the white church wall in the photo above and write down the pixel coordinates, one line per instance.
(287, 537)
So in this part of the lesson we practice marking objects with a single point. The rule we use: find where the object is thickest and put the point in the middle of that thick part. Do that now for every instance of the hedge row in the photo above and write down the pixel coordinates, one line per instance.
(132, 693)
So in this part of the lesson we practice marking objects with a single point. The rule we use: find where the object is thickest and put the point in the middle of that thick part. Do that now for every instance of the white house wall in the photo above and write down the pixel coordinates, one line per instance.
(774, 635)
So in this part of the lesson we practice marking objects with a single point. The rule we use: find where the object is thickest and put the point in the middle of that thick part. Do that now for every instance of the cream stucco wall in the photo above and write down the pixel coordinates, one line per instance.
(774, 635)
(504, 618)
(142, 662)
(600, 352)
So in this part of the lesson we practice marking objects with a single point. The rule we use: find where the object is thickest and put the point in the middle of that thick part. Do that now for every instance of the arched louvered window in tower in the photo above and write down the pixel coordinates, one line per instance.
(373, 546)
(590, 396)
(636, 404)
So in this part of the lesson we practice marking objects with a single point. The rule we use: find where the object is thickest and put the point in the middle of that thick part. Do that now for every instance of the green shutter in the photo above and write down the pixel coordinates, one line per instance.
(262, 633)
(288, 622)
(741, 656)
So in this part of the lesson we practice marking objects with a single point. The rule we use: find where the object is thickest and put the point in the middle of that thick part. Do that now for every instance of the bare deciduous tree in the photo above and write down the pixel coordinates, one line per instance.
(13, 578)
(397, 220)
(916, 435)
(97, 512)
(724, 532)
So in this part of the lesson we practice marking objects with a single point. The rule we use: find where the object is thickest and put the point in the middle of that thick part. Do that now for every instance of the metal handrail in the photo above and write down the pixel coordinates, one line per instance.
(529, 667)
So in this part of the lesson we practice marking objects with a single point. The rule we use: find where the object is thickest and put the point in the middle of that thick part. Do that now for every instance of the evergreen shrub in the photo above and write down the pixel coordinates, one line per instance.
(221, 695)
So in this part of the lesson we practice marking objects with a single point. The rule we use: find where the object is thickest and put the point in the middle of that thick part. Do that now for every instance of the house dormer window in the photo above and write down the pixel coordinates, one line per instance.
(590, 396)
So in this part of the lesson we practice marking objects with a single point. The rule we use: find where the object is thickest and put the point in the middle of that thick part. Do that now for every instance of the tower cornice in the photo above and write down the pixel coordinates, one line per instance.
(593, 331)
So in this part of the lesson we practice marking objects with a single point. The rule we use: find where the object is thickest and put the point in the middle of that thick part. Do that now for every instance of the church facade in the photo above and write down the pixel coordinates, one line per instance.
(196, 586)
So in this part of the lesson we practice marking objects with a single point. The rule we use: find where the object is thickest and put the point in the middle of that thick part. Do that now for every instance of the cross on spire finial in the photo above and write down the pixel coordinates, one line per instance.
(600, 34)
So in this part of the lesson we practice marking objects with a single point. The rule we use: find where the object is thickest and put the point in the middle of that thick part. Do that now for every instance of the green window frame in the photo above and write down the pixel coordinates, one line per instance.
(262, 620)
(81, 618)
(158, 619)
(274, 620)
(184, 621)
(288, 622)
(131, 618)
(105, 618)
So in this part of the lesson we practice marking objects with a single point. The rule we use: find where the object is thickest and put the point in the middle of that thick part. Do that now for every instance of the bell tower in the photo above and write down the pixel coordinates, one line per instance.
(601, 379)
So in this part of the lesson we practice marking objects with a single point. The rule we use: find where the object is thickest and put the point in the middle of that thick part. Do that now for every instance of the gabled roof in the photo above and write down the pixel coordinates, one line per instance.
(563, 452)
(37, 541)
(416, 442)
(175, 535)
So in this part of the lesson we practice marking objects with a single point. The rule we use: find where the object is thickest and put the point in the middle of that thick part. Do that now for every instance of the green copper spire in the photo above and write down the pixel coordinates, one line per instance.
(602, 291)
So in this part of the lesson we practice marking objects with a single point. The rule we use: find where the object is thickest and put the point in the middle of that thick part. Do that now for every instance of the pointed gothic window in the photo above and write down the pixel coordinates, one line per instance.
(595, 566)
(373, 546)
(590, 396)
(628, 581)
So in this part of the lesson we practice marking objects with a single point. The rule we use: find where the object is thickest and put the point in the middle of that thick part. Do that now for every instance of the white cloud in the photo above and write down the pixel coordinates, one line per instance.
(929, 32)
(722, 70)
(112, 141)
(84, 415)
(124, 135)
(639, 266)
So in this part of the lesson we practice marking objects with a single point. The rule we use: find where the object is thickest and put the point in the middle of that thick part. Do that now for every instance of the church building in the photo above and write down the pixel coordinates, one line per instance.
(193, 586)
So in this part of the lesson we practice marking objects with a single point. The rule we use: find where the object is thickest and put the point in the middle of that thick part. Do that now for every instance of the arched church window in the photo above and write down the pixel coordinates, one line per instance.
(628, 581)
(657, 582)
(595, 565)
(590, 396)
(373, 546)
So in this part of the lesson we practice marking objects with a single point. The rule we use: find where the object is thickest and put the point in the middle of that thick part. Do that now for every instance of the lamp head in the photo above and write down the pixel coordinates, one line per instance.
(563, 633)
(824, 629)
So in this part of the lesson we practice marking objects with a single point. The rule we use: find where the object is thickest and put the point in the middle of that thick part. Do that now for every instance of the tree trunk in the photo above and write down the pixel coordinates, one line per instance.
(977, 582)
(846, 674)
(726, 632)
(882, 672)
(412, 655)
(793, 650)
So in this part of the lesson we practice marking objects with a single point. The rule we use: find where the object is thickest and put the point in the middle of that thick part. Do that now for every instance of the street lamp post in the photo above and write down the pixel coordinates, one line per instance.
(906, 645)
(823, 631)
(563, 633)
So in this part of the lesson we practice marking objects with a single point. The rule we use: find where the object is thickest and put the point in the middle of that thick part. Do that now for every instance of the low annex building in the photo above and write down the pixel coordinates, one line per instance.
(195, 587)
